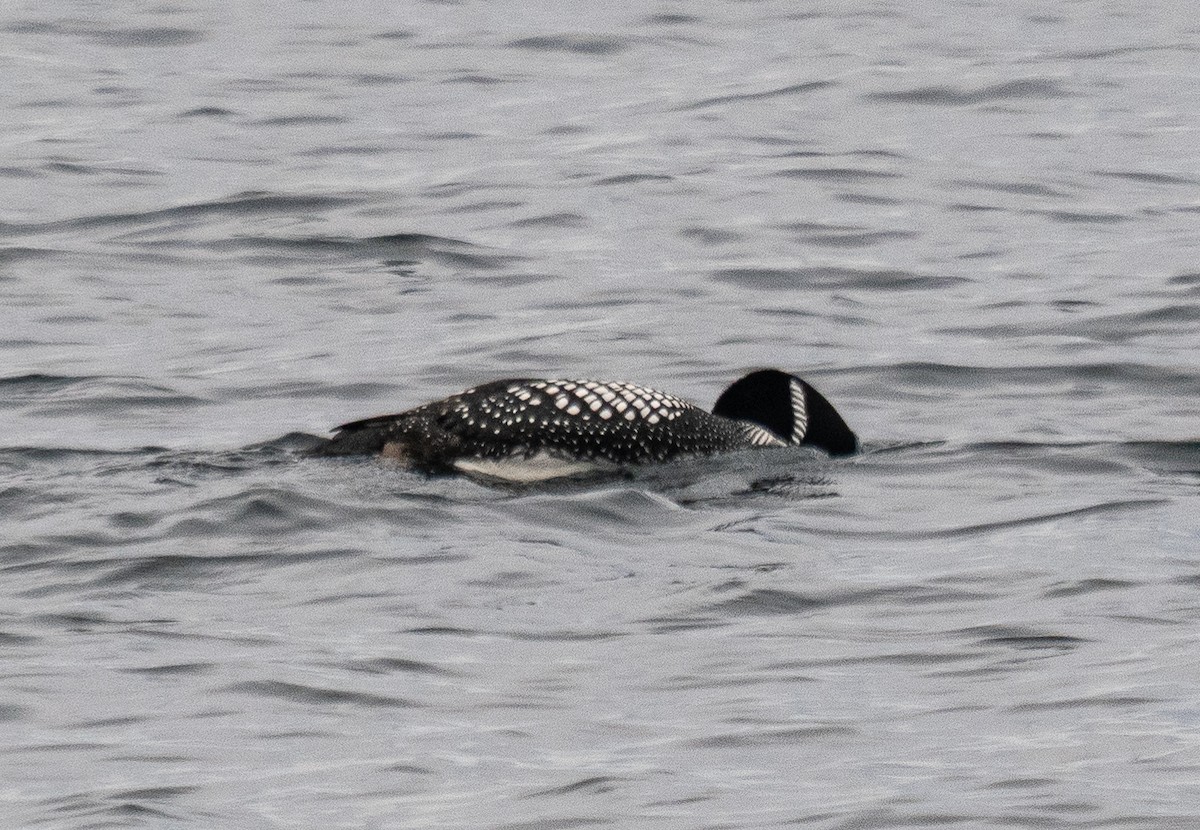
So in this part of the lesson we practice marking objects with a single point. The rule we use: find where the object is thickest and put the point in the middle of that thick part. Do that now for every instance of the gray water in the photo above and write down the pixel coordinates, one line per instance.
(228, 227)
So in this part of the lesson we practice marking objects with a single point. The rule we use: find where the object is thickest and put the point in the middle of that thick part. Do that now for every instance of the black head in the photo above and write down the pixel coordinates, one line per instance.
(789, 407)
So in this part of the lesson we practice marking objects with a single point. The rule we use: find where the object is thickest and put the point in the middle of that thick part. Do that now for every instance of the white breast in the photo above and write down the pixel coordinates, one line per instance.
(520, 470)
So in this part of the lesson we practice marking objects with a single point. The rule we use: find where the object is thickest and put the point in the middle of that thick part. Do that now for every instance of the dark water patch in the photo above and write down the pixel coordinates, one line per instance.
(987, 253)
(486, 205)
(315, 695)
(150, 36)
(300, 120)
(20, 173)
(171, 669)
(595, 785)
(129, 520)
(1019, 188)
(712, 236)
(373, 79)
(551, 220)
(400, 251)
(831, 278)
(105, 814)
(155, 36)
(260, 511)
(838, 175)
(859, 240)
(670, 19)
(35, 385)
(105, 395)
(1128, 326)
(793, 89)
(677, 624)
(447, 251)
(866, 199)
(408, 769)
(1026, 89)
(773, 737)
(553, 824)
(246, 205)
(1022, 784)
(154, 793)
(393, 665)
(1080, 217)
(475, 79)
(509, 280)
(334, 150)
(24, 456)
(771, 601)
(1022, 638)
(394, 34)
(634, 178)
(1148, 177)
(208, 112)
(444, 630)
(1073, 306)
(1087, 702)
(562, 636)
(460, 135)
(987, 528)
(918, 659)
(576, 44)
(12, 712)
(71, 167)
(105, 723)
(174, 571)
(1088, 586)
(1189, 279)
(972, 207)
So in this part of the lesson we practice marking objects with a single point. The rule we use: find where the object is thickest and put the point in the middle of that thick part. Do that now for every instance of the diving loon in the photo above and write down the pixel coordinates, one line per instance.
(531, 430)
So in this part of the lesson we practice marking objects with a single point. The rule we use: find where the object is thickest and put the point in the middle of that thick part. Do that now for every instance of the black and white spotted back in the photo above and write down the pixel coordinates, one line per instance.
(574, 423)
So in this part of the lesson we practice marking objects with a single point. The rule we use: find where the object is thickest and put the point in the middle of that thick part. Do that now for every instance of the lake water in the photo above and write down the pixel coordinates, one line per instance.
(227, 227)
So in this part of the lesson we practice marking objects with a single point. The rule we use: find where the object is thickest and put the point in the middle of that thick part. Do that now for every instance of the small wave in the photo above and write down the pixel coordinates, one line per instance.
(594, 785)
(315, 695)
(1087, 586)
(773, 737)
(1145, 177)
(929, 375)
(247, 204)
(831, 278)
(738, 98)
(1019, 188)
(147, 36)
(770, 601)
(392, 665)
(71, 394)
(577, 44)
(633, 178)
(552, 220)
(1020, 637)
(300, 120)
(1025, 89)
(841, 175)
(1087, 702)
(1084, 217)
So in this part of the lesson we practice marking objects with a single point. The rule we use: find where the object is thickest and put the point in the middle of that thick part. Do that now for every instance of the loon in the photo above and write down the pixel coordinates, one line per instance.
(525, 430)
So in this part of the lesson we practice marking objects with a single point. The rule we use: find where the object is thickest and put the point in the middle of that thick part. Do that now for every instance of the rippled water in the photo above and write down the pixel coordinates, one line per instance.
(227, 227)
